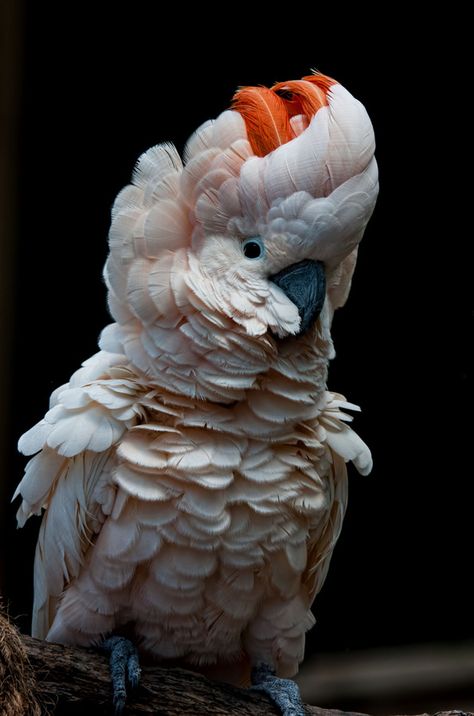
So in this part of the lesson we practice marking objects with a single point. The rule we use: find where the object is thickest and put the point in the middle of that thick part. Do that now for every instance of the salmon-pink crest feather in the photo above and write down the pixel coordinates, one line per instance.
(266, 118)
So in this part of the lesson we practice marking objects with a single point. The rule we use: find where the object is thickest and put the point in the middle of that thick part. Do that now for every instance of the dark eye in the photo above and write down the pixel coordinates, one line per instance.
(253, 248)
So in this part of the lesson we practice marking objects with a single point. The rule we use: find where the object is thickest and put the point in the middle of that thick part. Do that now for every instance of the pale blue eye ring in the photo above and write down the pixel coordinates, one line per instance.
(253, 248)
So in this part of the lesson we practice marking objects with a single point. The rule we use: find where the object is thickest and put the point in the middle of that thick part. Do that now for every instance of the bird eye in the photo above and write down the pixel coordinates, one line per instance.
(253, 248)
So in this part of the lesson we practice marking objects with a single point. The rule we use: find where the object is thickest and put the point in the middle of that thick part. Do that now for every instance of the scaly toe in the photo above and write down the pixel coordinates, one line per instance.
(133, 670)
(284, 693)
(124, 664)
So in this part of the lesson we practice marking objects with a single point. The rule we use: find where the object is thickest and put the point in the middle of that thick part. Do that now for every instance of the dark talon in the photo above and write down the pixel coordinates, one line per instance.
(124, 664)
(133, 670)
(283, 692)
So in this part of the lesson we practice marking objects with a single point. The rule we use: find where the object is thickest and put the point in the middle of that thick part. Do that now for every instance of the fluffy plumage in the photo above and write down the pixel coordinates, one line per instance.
(193, 471)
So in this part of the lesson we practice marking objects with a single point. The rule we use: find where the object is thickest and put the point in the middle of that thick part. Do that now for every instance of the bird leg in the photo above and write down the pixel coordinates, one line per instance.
(124, 666)
(283, 692)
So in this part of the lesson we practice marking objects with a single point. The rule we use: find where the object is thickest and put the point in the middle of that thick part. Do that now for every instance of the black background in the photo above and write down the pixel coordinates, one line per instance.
(99, 90)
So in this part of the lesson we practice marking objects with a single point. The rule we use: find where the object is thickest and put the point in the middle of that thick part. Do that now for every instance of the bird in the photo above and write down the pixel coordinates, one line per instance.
(192, 474)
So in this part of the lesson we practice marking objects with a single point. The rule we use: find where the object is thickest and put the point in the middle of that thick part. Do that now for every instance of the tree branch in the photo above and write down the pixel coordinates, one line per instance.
(69, 681)
(79, 681)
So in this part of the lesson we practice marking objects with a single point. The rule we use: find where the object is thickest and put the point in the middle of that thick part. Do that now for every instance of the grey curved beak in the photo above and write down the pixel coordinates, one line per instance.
(305, 285)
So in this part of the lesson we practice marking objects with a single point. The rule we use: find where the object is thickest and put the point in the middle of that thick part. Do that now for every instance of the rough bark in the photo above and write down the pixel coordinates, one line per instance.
(37, 677)
(76, 681)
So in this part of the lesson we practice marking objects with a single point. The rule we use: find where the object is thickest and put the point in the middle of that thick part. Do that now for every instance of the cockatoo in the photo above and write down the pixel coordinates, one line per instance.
(192, 473)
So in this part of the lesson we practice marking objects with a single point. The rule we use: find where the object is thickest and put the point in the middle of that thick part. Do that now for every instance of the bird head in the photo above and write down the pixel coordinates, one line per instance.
(256, 230)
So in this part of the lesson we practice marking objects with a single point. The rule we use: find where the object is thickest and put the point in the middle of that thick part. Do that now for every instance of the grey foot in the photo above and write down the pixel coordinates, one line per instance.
(283, 692)
(124, 666)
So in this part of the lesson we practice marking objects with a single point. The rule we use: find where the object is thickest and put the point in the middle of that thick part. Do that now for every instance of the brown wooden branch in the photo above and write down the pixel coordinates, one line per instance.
(70, 681)
(78, 681)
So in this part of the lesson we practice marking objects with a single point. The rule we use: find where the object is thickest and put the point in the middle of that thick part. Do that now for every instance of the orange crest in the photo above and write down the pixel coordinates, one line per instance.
(267, 112)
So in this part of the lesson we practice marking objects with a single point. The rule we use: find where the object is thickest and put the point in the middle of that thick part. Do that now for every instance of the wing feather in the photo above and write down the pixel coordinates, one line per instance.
(76, 505)
(323, 538)
(70, 477)
(342, 445)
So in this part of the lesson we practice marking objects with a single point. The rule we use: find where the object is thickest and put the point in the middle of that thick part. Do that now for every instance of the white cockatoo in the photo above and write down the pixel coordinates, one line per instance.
(192, 472)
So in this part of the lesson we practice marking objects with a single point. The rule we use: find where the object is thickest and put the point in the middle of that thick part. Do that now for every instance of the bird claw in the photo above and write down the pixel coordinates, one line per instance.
(284, 693)
(124, 666)
(133, 669)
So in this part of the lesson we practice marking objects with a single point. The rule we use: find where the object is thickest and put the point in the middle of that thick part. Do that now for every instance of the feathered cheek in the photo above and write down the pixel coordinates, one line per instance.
(252, 303)
(276, 315)
(228, 279)
(257, 304)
